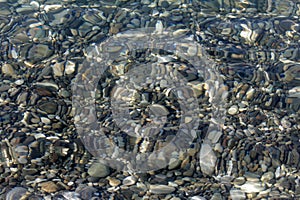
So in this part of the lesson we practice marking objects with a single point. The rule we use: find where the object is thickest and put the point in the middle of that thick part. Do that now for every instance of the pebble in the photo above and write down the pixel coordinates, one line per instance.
(113, 181)
(47, 46)
(233, 110)
(197, 198)
(45, 120)
(239, 181)
(98, 170)
(8, 70)
(174, 163)
(16, 193)
(49, 187)
(267, 176)
(207, 159)
(236, 194)
(214, 136)
(69, 67)
(161, 189)
(58, 69)
(217, 196)
(19, 82)
(251, 187)
(85, 192)
(130, 180)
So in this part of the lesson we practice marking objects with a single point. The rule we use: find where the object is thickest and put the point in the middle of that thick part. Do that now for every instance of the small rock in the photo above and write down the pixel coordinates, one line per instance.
(250, 187)
(49, 107)
(239, 181)
(158, 110)
(236, 194)
(207, 159)
(174, 163)
(98, 170)
(217, 196)
(85, 192)
(267, 176)
(233, 110)
(45, 120)
(187, 120)
(214, 136)
(29, 171)
(8, 70)
(130, 180)
(19, 82)
(16, 193)
(49, 187)
(58, 69)
(114, 182)
(69, 67)
(198, 198)
(161, 189)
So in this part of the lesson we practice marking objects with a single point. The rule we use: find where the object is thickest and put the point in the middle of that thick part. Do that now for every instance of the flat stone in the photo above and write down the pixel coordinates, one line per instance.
(45, 120)
(49, 187)
(207, 159)
(130, 180)
(267, 176)
(214, 136)
(158, 110)
(85, 192)
(236, 194)
(98, 170)
(16, 193)
(114, 182)
(161, 189)
(252, 187)
(174, 163)
(49, 107)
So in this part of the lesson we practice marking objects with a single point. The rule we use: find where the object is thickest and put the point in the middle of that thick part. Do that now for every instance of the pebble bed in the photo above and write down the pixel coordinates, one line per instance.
(254, 45)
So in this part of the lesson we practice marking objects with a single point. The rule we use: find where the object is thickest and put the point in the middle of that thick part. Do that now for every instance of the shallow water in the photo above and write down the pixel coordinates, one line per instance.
(174, 99)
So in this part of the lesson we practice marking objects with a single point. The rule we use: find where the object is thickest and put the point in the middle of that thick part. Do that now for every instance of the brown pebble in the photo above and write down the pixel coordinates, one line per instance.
(49, 187)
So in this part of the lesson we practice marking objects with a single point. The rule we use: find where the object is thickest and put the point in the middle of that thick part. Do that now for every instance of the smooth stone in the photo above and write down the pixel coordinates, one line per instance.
(45, 120)
(58, 69)
(49, 107)
(219, 148)
(113, 182)
(174, 163)
(8, 70)
(233, 110)
(188, 120)
(217, 196)
(239, 181)
(29, 171)
(38, 52)
(236, 194)
(250, 187)
(161, 189)
(130, 180)
(16, 193)
(267, 176)
(207, 159)
(85, 192)
(19, 82)
(158, 110)
(197, 198)
(98, 170)
(214, 136)
(49, 187)
(69, 67)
